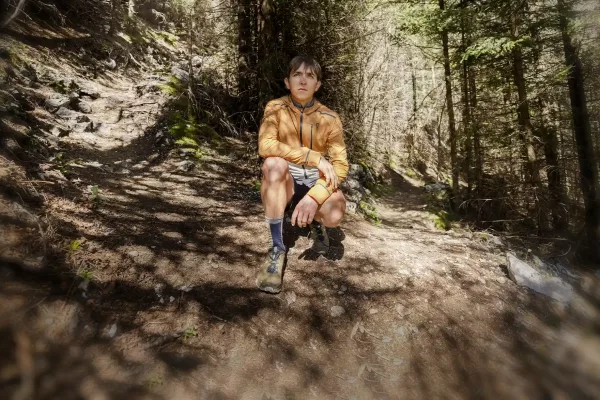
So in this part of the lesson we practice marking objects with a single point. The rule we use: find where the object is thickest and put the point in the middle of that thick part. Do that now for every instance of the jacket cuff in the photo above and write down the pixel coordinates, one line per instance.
(312, 158)
(319, 193)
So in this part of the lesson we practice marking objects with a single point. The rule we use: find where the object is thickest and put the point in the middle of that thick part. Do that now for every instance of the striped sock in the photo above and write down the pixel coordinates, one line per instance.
(276, 226)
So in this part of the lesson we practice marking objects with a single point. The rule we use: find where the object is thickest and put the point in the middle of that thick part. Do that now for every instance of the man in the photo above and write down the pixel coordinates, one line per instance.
(296, 133)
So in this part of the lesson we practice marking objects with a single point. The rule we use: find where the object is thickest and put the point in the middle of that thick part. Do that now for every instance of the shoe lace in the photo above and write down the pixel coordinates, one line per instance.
(274, 254)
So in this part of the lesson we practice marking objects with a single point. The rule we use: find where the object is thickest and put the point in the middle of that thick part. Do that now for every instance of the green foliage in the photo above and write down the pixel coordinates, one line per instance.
(154, 382)
(256, 185)
(173, 87)
(86, 274)
(493, 47)
(74, 245)
(189, 333)
(370, 211)
(442, 220)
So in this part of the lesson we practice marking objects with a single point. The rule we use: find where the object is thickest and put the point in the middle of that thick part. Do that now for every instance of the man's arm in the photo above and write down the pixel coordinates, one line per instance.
(336, 148)
(270, 146)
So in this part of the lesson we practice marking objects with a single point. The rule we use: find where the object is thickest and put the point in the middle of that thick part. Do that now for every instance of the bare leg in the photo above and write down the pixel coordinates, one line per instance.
(332, 210)
(277, 187)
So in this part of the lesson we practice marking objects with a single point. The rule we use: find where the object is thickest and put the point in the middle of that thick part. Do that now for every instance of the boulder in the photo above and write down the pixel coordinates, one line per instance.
(186, 166)
(84, 107)
(525, 275)
(65, 113)
(55, 102)
(351, 207)
(180, 74)
(437, 187)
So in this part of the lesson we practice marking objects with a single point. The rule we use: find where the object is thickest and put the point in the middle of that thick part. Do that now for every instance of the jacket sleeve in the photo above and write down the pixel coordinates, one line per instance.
(270, 146)
(338, 158)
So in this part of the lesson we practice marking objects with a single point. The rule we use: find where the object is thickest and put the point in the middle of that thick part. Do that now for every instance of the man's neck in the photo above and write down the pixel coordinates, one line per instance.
(307, 103)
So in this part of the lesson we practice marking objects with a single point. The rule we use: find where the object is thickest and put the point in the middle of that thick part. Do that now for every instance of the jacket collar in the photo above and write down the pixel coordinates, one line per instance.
(314, 105)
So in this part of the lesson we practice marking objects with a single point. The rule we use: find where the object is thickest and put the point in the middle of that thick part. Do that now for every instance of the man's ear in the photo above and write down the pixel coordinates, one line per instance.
(318, 85)
(287, 83)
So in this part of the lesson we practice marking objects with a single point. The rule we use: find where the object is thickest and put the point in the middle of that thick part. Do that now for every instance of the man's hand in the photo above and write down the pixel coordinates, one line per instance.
(330, 176)
(305, 211)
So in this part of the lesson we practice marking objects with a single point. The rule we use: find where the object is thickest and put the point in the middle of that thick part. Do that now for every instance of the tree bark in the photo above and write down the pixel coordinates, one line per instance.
(526, 131)
(588, 168)
(450, 106)
(245, 81)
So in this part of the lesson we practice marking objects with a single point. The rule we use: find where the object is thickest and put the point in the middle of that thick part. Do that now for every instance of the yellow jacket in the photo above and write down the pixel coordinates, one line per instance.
(301, 136)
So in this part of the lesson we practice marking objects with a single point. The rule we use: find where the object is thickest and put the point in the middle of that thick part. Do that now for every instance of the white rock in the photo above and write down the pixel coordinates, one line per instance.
(113, 331)
(400, 309)
(84, 284)
(351, 207)
(290, 297)
(133, 253)
(373, 311)
(336, 311)
(171, 299)
(525, 275)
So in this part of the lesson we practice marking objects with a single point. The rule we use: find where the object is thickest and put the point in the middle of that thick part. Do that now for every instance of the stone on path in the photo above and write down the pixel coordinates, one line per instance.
(336, 311)
(525, 275)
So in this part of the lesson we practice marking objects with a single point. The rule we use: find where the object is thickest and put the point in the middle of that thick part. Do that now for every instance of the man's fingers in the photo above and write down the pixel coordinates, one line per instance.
(294, 215)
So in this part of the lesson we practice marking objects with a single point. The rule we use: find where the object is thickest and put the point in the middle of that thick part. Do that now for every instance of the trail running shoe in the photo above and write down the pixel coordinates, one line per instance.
(270, 277)
(318, 234)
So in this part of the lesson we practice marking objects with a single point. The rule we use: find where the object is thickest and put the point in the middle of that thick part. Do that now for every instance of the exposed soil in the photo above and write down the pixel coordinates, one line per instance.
(171, 310)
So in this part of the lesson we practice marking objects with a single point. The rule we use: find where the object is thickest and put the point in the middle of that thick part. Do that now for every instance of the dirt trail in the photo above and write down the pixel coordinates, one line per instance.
(395, 311)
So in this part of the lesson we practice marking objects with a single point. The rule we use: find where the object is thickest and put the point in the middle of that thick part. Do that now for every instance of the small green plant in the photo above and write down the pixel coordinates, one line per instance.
(86, 274)
(173, 87)
(74, 245)
(441, 220)
(256, 185)
(154, 382)
(95, 193)
(370, 211)
(189, 333)
(411, 174)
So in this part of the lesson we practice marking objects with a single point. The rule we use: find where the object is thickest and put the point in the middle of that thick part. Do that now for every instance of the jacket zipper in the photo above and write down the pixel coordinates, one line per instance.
(302, 144)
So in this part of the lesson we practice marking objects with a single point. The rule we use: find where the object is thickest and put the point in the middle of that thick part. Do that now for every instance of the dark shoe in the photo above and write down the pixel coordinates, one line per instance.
(320, 239)
(270, 278)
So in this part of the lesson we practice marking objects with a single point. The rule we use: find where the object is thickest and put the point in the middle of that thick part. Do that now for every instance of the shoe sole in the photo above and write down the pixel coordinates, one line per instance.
(268, 289)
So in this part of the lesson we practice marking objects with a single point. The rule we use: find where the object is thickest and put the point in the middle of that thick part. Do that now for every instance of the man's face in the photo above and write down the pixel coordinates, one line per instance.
(302, 84)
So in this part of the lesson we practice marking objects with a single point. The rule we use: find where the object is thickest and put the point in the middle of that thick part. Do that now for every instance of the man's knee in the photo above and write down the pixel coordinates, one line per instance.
(335, 214)
(274, 169)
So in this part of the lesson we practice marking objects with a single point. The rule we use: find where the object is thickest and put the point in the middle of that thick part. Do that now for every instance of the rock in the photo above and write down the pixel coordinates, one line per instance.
(59, 132)
(110, 63)
(186, 152)
(153, 157)
(290, 297)
(89, 93)
(186, 166)
(133, 253)
(65, 113)
(84, 285)
(82, 118)
(171, 299)
(112, 331)
(351, 183)
(24, 215)
(354, 171)
(437, 187)
(400, 309)
(373, 311)
(55, 102)
(197, 61)
(525, 275)
(180, 74)
(336, 311)
(53, 175)
(84, 107)
(89, 127)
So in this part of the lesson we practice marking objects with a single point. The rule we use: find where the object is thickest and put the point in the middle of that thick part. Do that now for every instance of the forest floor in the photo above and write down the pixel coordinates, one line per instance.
(144, 288)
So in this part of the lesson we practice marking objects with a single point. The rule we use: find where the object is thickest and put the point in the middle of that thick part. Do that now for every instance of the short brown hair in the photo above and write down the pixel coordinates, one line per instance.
(310, 62)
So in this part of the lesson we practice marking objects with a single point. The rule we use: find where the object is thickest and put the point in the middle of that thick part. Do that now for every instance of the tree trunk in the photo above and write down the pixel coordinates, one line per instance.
(245, 81)
(475, 128)
(526, 131)
(450, 106)
(583, 137)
